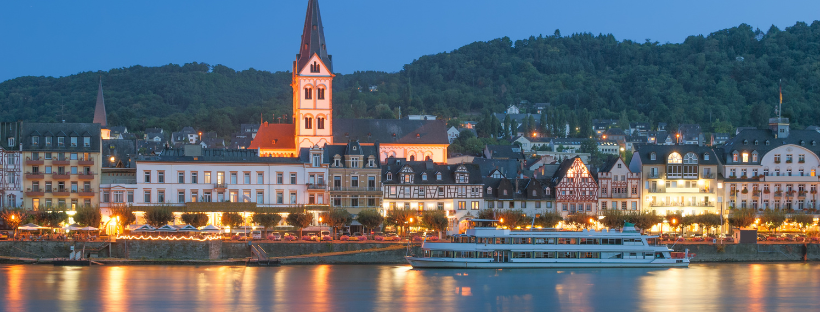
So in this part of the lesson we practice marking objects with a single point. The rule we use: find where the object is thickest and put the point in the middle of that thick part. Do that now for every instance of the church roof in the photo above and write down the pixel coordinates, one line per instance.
(275, 136)
(390, 131)
(99, 110)
(313, 39)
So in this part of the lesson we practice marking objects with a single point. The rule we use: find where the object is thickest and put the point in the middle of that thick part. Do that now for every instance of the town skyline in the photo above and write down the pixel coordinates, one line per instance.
(106, 37)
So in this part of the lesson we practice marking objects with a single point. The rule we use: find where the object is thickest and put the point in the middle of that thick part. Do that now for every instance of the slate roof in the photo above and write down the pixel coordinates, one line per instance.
(218, 155)
(662, 152)
(313, 39)
(394, 166)
(122, 150)
(505, 152)
(385, 131)
(508, 167)
(362, 150)
(745, 141)
(609, 163)
(99, 109)
(61, 129)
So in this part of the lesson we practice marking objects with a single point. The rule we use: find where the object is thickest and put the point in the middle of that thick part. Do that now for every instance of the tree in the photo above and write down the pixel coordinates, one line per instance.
(88, 216)
(773, 218)
(542, 126)
(673, 220)
(513, 128)
(613, 218)
(49, 218)
(486, 214)
(645, 220)
(742, 217)
(124, 216)
(548, 219)
(158, 216)
(231, 219)
(266, 220)
(623, 121)
(580, 220)
(195, 219)
(13, 217)
(435, 220)
(686, 221)
(399, 218)
(338, 218)
(512, 218)
(370, 219)
(299, 220)
(709, 220)
(802, 220)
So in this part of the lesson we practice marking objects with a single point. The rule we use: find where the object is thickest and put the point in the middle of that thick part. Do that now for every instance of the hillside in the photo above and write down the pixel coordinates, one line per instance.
(731, 75)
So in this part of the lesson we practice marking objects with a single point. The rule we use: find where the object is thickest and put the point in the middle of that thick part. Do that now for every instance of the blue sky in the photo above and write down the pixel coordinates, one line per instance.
(60, 38)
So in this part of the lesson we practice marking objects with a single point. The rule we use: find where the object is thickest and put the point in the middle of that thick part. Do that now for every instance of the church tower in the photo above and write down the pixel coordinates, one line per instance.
(312, 84)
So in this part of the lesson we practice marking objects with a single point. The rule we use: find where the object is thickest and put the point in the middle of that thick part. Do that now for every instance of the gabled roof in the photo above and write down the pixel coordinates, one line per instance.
(275, 136)
(395, 165)
(386, 131)
(505, 152)
(313, 39)
(745, 141)
(662, 152)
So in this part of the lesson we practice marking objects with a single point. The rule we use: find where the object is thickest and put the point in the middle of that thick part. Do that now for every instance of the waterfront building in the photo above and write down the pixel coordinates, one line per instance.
(532, 196)
(678, 178)
(618, 187)
(312, 123)
(425, 185)
(576, 190)
(62, 164)
(118, 175)
(354, 177)
(214, 181)
(772, 168)
(11, 163)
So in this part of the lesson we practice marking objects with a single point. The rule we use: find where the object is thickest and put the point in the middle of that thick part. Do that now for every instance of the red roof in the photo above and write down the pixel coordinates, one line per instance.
(275, 136)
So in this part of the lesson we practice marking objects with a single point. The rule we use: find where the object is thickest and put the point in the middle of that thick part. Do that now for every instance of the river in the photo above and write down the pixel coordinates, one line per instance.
(701, 287)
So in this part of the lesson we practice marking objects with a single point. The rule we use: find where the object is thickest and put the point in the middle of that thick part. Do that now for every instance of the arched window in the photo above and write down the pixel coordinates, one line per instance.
(320, 93)
(534, 193)
(489, 190)
(308, 93)
(427, 158)
(438, 176)
(412, 157)
(690, 158)
(320, 123)
(314, 68)
(652, 156)
(308, 123)
(674, 158)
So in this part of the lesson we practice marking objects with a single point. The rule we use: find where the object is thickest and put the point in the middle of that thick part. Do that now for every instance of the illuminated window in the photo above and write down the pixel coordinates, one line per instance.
(674, 158)
(745, 157)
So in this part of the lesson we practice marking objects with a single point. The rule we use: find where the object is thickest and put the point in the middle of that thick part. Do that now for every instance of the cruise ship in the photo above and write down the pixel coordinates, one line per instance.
(484, 245)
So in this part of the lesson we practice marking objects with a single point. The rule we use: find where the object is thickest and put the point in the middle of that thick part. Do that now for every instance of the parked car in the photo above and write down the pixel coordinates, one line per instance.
(325, 233)
(277, 236)
(4, 235)
(392, 237)
(256, 235)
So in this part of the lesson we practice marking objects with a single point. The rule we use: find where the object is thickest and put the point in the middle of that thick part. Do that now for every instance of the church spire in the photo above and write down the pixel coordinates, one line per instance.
(99, 110)
(313, 39)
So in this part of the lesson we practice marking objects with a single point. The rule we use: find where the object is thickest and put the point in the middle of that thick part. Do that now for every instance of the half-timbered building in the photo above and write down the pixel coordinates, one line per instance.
(575, 188)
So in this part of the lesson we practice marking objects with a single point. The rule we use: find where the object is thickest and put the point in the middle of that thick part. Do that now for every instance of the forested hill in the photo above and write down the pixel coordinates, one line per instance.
(731, 75)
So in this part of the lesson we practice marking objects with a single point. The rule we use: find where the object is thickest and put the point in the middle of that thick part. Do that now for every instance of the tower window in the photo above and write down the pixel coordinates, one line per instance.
(308, 123)
(314, 68)
(320, 122)
(320, 93)
(308, 93)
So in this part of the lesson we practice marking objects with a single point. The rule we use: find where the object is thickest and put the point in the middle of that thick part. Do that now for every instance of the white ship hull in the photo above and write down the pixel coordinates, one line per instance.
(417, 262)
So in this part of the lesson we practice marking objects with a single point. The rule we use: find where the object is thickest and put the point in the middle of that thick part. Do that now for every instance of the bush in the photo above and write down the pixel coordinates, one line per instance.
(290, 238)
(344, 237)
(305, 238)
(235, 237)
(417, 238)
(432, 238)
(270, 237)
(327, 238)
(362, 238)
(379, 238)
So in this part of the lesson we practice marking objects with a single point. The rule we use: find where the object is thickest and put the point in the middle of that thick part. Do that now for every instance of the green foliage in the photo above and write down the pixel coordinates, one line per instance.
(548, 219)
(299, 220)
(644, 220)
(613, 218)
(266, 220)
(370, 218)
(742, 217)
(49, 218)
(125, 216)
(486, 214)
(231, 219)
(337, 218)
(13, 217)
(673, 220)
(579, 220)
(435, 220)
(399, 218)
(802, 220)
(773, 218)
(709, 220)
(512, 218)
(88, 216)
(158, 216)
(195, 219)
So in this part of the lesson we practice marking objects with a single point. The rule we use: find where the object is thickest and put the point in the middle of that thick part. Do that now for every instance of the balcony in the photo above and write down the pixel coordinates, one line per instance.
(654, 176)
(35, 176)
(63, 161)
(60, 192)
(682, 204)
(316, 186)
(789, 178)
(707, 176)
(86, 162)
(220, 186)
(34, 192)
(355, 189)
(86, 176)
(60, 176)
(34, 162)
(89, 192)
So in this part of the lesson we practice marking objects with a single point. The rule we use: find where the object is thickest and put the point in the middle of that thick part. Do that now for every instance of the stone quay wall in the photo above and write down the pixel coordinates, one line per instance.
(752, 252)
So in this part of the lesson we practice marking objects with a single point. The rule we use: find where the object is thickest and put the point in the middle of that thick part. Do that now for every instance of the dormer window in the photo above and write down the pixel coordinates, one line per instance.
(734, 156)
(489, 190)
(755, 142)
(424, 176)
(438, 176)
(407, 178)
(337, 161)
(802, 142)
(706, 156)
(653, 156)
(35, 140)
(317, 160)
(73, 141)
(389, 176)
(11, 141)
(461, 177)
(813, 143)
(86, 142)
(767, 142)
(354, 162)
(48, 141)
(745, 142)
(60, 141)
(754, 156)
(546, 191)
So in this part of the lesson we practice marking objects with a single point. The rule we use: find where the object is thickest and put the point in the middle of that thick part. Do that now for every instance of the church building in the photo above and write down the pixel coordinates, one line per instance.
(313, 123)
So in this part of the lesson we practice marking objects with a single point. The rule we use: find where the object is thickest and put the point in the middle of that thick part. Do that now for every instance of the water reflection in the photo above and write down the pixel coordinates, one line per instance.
(749, 287)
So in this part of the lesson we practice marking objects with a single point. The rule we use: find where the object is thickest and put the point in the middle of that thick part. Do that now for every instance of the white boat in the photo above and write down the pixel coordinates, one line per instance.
(485, 245)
